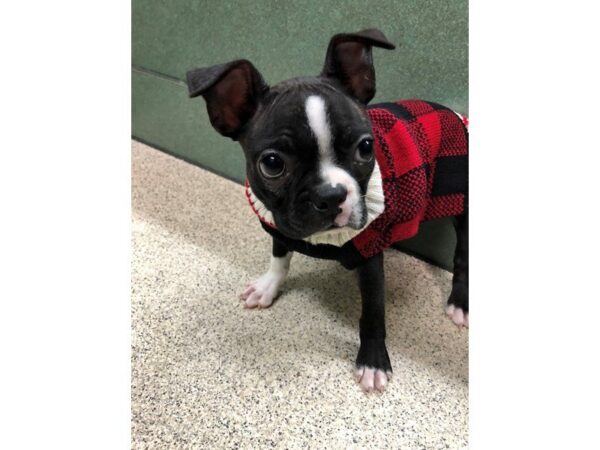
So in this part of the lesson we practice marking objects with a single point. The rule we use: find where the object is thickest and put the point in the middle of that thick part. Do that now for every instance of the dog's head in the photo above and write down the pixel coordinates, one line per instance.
(307, 141)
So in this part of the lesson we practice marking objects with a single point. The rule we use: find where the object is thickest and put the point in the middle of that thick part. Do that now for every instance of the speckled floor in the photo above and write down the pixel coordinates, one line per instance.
(207, 373)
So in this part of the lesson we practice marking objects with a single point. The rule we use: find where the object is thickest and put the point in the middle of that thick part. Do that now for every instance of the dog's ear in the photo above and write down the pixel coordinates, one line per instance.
(349, 60)
(232, 92)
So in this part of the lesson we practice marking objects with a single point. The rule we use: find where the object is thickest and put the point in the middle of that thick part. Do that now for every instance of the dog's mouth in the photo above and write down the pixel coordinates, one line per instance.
(349, 225)
(335, 226)
(327, 228)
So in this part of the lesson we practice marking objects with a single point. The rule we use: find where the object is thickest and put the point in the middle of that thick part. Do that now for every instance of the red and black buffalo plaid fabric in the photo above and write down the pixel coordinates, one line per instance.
(421, 148)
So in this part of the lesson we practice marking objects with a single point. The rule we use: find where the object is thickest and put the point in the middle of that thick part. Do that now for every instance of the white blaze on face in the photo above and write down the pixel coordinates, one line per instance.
(316, 113)
(319, 125)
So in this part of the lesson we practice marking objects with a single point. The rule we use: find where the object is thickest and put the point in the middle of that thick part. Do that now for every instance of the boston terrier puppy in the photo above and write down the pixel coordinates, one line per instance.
(332, 178)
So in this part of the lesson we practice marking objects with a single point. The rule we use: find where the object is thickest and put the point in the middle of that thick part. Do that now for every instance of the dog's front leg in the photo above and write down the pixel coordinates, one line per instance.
(373, 368)
(263, 290)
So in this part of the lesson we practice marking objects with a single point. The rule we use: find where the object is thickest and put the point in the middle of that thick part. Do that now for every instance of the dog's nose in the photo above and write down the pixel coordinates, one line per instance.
(327, 198)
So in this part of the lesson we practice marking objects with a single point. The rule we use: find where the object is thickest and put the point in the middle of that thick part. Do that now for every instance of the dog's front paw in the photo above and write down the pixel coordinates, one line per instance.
(371, 379)
(373, 368)
(262, 291)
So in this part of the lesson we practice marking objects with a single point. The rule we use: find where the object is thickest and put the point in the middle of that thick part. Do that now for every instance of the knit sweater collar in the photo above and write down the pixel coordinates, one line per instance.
(374, 202)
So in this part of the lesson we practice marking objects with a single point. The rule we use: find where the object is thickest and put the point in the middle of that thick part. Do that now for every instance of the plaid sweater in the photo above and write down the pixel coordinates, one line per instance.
(421, 151)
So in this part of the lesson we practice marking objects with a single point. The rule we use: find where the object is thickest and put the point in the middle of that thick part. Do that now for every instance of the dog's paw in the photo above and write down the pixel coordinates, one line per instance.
(457, 308)
(458, 316)
(373, 368)
(262, 291)
(371, 379)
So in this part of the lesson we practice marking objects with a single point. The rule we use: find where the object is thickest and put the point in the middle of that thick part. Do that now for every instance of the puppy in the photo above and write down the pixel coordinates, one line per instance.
(332, 178)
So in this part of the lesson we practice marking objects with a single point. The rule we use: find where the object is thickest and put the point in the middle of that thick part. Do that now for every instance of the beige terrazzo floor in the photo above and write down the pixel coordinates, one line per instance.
(207, 373)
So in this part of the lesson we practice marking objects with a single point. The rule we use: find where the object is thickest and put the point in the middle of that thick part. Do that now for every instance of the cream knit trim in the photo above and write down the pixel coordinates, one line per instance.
(374, 201)
(259, 207)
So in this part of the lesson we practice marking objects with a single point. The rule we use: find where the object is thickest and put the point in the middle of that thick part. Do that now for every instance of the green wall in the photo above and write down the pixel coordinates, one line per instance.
(285, 39)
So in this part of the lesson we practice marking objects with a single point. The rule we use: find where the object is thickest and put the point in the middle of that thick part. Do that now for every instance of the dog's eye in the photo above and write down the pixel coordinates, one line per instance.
(271, 165)
(364, 151)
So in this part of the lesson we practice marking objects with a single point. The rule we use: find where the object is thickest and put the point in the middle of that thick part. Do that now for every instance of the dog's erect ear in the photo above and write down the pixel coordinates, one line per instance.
(232, 92)
(350, 61)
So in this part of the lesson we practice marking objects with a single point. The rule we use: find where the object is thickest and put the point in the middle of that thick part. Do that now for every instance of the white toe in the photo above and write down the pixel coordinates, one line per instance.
(367, 381)
(458, 316)
(359, 373)
(249, 290)
(371, 379)
(252, 300)
(380, 380)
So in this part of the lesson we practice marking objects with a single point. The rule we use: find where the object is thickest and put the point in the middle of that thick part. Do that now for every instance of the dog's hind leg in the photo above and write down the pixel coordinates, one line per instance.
(458, 302)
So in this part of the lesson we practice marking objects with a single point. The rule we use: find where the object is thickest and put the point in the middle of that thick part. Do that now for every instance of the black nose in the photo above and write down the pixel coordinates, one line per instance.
(327, 198)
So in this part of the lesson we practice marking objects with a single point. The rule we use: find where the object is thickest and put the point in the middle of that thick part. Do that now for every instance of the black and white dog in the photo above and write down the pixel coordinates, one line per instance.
(331, 178)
